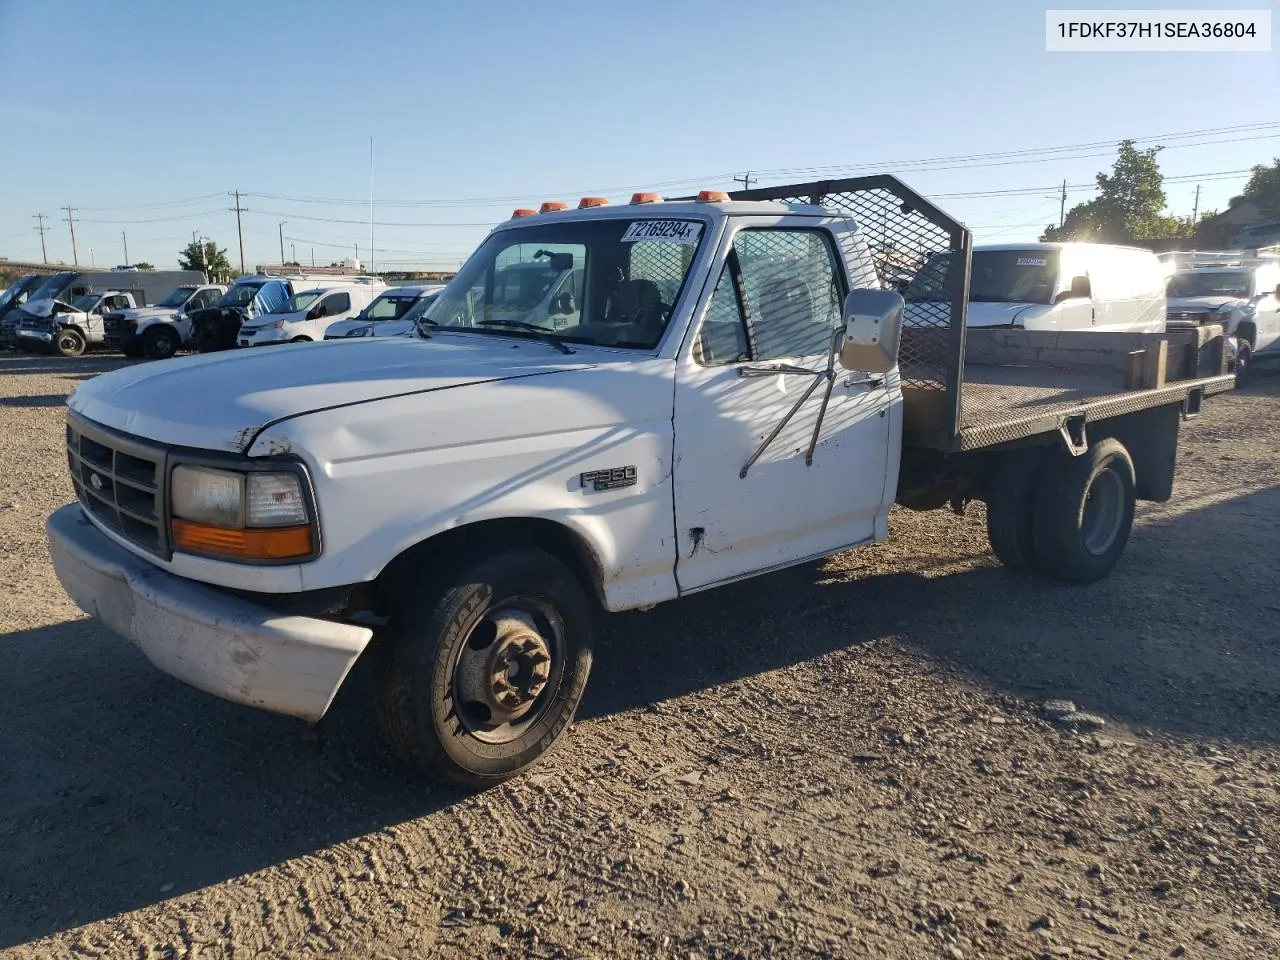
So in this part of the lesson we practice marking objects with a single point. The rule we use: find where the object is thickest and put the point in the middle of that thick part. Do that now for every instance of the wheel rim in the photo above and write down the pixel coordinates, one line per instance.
(164, 344)
(69, 343)
(1102, 513)
(508, 670)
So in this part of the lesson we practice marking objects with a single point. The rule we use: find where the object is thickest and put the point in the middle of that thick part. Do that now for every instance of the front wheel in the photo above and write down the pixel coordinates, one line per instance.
(1084, 512)
(70, 343)
(480, 674)
(161, 343)
(1243, 360)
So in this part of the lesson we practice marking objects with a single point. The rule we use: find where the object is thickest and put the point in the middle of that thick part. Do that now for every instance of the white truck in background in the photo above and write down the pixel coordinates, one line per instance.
(52, 326)
(737, 393)
(1238, 289)
(160, 331)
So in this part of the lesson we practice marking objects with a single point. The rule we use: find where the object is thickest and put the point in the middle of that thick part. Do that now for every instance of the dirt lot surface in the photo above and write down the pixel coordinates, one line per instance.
(847, 760)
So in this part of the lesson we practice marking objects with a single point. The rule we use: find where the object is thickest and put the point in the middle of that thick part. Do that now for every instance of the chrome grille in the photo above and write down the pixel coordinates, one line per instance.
(120, 482)
(1187, 316)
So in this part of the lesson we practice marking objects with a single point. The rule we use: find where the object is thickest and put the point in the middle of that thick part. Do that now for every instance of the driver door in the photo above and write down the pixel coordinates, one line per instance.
(755, 490)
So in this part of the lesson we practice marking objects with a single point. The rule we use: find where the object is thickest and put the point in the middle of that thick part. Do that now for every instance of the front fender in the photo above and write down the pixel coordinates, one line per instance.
(394, 473)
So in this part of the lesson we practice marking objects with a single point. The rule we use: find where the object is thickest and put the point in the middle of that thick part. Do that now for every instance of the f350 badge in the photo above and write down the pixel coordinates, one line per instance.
(613, 478)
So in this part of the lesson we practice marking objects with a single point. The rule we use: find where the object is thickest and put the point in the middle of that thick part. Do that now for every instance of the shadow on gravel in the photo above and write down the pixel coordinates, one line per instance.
(41, 400)
(123, 788)
(16, 364)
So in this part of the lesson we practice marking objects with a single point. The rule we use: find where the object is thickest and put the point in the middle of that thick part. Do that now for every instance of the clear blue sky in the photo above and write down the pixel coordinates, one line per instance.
(121, 109)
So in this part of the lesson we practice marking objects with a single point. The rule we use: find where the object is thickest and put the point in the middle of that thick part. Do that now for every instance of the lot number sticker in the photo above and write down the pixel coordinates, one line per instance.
(663, 231)
(1032, 262)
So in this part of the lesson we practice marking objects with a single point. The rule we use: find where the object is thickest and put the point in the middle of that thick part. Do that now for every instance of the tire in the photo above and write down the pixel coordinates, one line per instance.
(301, 340)
(1011, 505)
(1244, 361)
(160, 342)
(438, 703)
(1084, 512)
(70, 342)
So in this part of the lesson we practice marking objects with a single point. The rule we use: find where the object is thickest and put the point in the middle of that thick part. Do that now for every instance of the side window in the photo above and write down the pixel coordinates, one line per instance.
(335, 304)
(204, 298)
(793, 290)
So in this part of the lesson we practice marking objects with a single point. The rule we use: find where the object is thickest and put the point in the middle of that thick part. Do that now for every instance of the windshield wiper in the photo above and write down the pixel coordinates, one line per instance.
(542, 334)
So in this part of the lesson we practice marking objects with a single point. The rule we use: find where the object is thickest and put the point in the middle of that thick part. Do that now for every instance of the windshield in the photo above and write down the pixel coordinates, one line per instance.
(86, 303)
(176, 299)
(298, 302)
(999, 276)
(1212, 283)
(16, 289)
(54, 286)
(605, 282)
(389, 307)
(239, 295)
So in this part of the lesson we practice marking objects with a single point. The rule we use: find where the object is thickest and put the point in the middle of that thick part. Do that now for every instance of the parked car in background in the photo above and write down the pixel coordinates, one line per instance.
(388, 307)
(50, 326)
(305, 316)
(249, 297)
(1239, 291)
(1049, 286)
(14, 296)
(407, 324)
(160, 331)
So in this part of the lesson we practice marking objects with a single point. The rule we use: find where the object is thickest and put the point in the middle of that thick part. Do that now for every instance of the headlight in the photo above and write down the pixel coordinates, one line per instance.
(250, 516)
(273, 325)
(365, 331)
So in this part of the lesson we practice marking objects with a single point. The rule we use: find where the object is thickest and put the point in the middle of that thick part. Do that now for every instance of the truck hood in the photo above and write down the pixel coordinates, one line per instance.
(220, 401)
(1200, 304)
(44, 308)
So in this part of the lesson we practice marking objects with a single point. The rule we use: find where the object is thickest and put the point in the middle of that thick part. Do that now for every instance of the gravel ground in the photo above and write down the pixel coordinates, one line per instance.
(843, 760)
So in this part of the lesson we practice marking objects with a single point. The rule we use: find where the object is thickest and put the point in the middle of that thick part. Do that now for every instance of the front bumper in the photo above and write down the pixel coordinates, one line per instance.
(39, 336)
(204, 636)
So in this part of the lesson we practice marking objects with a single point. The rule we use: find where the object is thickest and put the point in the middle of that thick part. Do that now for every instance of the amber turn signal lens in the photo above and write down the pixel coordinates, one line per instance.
(273, 543)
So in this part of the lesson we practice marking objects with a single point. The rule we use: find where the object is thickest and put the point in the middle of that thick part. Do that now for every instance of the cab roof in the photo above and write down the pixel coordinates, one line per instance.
(678, 209)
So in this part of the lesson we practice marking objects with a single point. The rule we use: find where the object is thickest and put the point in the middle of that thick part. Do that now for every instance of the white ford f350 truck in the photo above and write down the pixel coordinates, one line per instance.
(735, 393)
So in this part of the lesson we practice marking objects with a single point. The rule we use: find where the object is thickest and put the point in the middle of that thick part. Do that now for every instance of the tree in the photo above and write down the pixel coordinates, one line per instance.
(1215, 229)
(144, 265)
(206, 257)
(1128, 206)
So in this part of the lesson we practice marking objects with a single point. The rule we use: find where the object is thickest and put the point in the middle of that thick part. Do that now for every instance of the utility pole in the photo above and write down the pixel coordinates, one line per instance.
(280, 227)
(39, 218)
(239, 230)
(293, 253)
(1062, 208)
(371, 205)
(125, 240)
(744, 180)
(1195, 210)
(313, 256)
(92, 262)
(75, 257)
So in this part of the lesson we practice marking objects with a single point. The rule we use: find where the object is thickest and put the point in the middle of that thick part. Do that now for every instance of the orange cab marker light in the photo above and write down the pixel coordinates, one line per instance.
(551, 206)
(273, 543)
(523, 212)
(593, 202)
(646, 198)
(712, 196)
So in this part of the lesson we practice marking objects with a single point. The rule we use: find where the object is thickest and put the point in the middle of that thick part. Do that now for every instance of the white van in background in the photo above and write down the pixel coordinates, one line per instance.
(389, 306)
(1051, 286)
(306, 315)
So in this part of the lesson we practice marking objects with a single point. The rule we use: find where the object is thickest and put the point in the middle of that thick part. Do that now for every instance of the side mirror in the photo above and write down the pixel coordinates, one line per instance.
(561, 261)
(1080, 289)
(872, 329)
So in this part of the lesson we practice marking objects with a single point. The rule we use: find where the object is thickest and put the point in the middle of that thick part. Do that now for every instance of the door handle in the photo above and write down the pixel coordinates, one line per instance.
(873, 383)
